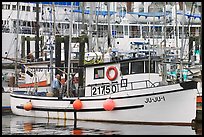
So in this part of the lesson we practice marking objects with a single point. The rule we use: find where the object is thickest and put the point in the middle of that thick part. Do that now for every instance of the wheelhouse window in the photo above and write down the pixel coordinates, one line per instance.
(137, 67)
(152, 66)
(124, 67)
(99, 73)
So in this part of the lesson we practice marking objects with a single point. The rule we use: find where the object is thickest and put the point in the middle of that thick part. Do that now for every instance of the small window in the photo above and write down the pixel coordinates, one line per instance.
(99, 73)
(23, 8)
(8, 7)
(13, 7)
(126, 30)
(137, 67)
(28, 24)
(124, 67)
(28, 8)
(152, 66)
(34, 9)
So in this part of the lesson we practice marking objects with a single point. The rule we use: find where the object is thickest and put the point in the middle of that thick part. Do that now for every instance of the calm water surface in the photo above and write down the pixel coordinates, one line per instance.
(19, 125)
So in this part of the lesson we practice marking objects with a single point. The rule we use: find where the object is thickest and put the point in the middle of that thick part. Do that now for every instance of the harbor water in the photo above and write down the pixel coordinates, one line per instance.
(20, 125)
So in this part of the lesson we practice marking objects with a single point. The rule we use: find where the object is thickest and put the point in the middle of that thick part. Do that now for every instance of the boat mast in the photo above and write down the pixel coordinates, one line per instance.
(16, 65)
(90, 27)
(182, 43)
(109, 35)
(69, 52)
(83, 25)
(176, 31)
(96, 26)
(37, 32)
(51, 49)
(164, 73)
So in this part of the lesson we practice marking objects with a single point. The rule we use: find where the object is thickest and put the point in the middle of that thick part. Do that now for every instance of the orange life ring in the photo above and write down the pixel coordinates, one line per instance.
(115, 75)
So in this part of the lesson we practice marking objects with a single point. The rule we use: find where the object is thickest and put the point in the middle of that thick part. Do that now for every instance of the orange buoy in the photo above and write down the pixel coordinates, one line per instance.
(28, 127)
(109, 105)
(77, 104)
(77, 132)
(28, 106)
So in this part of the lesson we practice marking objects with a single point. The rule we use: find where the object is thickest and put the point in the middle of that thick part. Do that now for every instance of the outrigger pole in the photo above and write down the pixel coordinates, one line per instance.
(69, 53)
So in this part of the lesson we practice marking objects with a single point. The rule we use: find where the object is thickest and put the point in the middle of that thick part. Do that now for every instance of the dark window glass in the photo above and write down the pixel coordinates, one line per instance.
(124, 67)
(137, 67)
(28, 8)
(34, 9)
(23, 8)
(152, 66)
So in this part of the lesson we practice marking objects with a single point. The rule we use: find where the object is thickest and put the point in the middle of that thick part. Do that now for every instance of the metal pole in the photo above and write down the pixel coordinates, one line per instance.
(164, 55)
(51, 51)
(90, 27)
(176, 32)
(182, 43)
(37, 33)
(69, 52)
(83, 25)
(109, 35)
(16, 65)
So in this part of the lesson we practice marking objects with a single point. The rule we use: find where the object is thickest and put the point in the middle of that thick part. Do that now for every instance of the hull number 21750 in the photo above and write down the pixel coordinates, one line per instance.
(103, 90)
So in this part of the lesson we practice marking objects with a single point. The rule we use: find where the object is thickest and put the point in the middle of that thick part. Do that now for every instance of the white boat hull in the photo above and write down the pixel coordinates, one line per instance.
(166, 104)
(6, 106)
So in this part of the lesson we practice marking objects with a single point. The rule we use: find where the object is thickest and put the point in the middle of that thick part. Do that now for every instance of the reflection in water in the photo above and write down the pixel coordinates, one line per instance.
(20, 125)
(28, 127)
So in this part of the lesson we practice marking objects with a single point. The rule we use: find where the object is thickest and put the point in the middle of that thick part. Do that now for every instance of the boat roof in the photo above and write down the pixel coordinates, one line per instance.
(125, 60)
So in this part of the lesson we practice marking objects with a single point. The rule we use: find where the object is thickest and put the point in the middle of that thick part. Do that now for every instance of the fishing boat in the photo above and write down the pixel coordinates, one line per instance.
(123, 91)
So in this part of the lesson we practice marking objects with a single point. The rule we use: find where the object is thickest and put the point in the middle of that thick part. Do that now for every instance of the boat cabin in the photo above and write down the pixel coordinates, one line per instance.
(112, 77)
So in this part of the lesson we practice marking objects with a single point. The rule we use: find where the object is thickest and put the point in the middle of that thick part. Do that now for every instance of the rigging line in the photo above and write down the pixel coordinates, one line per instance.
(10, 13)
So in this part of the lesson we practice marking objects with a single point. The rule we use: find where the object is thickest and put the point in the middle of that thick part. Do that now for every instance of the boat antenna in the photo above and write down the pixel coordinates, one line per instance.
(69, 53)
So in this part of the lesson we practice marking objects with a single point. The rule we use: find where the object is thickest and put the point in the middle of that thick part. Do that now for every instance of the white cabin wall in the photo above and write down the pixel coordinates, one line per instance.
(89, 77)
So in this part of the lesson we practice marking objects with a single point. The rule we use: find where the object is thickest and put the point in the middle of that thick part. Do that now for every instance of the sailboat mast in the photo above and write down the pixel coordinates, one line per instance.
(69, 52)
(16, 65)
